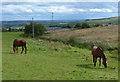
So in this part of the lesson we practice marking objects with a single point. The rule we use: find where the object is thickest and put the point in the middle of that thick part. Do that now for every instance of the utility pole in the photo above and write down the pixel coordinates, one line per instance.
(52, 18)
(52, 22)
(32, 28)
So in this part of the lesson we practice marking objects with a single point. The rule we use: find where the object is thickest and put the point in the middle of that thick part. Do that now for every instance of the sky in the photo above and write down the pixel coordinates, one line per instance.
(72, 10)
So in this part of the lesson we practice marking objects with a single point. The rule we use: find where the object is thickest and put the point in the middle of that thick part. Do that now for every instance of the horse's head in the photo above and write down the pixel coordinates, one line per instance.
(105, 63)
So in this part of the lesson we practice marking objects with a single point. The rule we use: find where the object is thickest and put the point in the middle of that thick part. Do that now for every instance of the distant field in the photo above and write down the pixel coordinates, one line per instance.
(18, 27)
(14, 27)
(53, 60)
(112, 20)
(107, 36)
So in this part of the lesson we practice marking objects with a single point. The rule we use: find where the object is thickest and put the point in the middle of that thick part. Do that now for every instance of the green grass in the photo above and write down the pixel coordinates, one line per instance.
(0, 56)
(52, 61)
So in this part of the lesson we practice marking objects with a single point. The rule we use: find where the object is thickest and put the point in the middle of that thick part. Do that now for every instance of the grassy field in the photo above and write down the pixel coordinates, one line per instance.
(0, 56)
(52, 61)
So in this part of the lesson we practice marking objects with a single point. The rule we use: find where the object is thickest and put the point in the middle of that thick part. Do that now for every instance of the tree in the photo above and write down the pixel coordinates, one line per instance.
(9, 29)
(39, 29)
(67, 26)
(85, 25)
(78, 25)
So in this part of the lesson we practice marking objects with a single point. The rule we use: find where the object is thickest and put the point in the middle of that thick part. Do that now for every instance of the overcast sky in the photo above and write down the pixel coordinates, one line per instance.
(74, 10)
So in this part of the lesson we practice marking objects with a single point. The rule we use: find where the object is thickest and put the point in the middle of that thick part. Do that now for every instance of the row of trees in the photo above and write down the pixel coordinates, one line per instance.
(77, 25)
(39, 29)
(82, 25)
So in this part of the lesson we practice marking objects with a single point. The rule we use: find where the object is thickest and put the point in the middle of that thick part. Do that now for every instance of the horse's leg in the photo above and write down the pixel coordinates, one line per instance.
(22, 49)
(14, 49)
(17, 49)
(100, 61)
(94, 60)
(25, 49)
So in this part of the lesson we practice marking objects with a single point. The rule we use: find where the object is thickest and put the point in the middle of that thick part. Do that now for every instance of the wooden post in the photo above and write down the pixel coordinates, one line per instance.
(32, 28)
(52, 22)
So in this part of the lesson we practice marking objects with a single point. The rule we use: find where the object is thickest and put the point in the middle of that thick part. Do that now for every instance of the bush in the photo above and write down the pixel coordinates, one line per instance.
(9, 29)
(85, 25)
(39, 29)
(66, 26)
(78, 25)
(97, 25)
(72, 40)
(69, 26)
(3, 29)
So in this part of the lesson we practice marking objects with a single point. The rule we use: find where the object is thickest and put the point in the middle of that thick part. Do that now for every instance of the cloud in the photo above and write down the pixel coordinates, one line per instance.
(43, 8)
(82, 10)
(100, 10)
(59, 9)
(35, 8)
(17, 8)
(63, 10)
(29, 10)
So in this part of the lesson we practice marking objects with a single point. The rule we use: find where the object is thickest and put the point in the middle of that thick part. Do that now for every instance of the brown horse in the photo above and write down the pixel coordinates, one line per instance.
(19, 43)
(97, 52)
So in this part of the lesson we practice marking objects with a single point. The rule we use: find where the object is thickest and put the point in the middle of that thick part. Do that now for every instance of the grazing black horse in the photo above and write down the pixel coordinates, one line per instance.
(98, 52)
(19, 43)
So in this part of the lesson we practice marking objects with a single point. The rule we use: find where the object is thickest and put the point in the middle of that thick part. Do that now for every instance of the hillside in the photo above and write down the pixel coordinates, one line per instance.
(105, 21)
(112, 20)
(106, 36)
